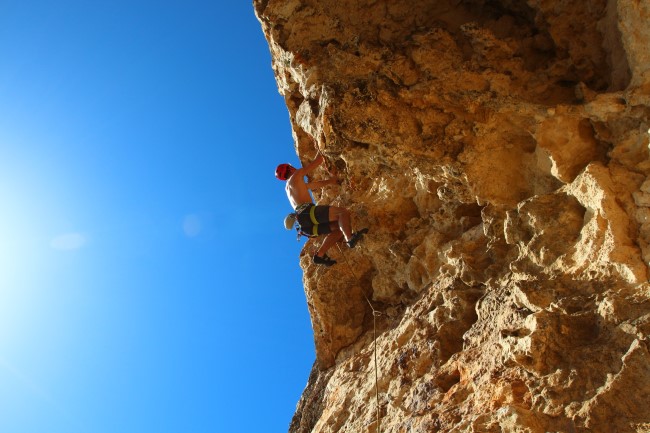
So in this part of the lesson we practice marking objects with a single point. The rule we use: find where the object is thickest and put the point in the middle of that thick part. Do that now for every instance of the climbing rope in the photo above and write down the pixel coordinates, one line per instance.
(375, 313)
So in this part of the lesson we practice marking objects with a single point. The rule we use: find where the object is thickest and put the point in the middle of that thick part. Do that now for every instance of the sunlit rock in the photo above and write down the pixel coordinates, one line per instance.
(499, 153)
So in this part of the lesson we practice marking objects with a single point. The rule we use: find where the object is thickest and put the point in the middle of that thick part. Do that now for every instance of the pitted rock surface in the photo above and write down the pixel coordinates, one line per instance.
(499, 153)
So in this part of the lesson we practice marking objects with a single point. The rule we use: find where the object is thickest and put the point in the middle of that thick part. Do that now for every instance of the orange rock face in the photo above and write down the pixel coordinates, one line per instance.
(499, 153)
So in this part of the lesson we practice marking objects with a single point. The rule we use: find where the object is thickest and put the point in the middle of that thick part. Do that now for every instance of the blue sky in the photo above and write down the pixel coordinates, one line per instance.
(147, 283)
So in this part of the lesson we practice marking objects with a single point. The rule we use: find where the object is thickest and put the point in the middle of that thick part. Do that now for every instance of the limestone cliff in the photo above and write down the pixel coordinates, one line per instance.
(498, 150)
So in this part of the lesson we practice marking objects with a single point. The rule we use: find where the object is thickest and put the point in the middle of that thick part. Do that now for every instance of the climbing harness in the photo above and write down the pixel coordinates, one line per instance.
(291, 221)
(375, 314)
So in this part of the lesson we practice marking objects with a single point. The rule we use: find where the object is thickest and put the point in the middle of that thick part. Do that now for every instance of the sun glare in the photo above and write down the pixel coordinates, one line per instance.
(24, 253)
(17, 250)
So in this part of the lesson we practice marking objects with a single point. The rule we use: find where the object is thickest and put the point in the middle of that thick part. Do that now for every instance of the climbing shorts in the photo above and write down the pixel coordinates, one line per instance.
(314, 220)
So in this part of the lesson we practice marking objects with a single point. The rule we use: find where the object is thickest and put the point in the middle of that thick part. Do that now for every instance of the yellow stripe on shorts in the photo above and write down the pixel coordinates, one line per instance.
(312, 215)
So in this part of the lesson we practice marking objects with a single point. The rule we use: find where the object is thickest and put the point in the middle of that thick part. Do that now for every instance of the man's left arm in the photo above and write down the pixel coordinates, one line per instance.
(313, 165)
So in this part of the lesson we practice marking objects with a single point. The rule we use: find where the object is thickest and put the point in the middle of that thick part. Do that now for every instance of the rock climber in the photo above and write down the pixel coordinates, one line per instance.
(316, 220)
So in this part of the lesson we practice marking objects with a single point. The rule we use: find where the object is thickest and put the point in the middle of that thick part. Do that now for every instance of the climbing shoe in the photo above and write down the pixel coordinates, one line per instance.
(325, 260)
(355, 237)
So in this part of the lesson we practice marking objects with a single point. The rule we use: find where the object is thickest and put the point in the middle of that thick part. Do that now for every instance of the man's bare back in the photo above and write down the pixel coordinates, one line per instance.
(297, 190)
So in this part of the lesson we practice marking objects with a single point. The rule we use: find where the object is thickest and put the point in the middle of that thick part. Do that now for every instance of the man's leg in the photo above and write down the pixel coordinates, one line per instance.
(330, 240)
(342, 218)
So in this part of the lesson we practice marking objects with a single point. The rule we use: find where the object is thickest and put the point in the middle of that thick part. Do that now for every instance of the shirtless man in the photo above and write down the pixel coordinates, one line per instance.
(317, 220)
